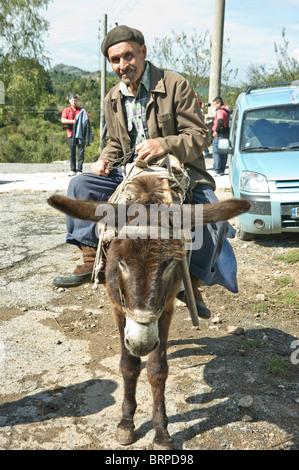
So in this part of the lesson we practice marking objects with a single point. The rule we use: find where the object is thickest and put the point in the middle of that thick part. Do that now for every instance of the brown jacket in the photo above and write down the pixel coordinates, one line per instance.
(173, 118)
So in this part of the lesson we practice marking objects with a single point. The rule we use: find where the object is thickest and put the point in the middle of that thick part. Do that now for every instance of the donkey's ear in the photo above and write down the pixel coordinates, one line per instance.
(218, 211)
(94, 211)
(78, 209)
(221, 211)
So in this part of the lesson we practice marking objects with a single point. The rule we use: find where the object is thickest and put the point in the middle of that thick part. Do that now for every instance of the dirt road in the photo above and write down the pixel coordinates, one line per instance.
(59, 352)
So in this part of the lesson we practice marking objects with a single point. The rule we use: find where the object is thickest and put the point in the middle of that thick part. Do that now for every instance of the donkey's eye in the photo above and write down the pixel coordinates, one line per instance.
(168, 269)
(124, 268)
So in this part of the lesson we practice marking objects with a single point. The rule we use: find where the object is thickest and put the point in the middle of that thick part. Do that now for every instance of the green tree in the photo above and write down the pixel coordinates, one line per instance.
(191, 56)
(22, 29)
(22, 58)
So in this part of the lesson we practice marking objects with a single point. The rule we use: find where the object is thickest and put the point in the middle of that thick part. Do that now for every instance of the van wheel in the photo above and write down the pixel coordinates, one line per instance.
(241, 233)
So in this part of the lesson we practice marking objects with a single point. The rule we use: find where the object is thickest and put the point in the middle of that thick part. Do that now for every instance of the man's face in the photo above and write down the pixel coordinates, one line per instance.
(73, 102)
(127, 60)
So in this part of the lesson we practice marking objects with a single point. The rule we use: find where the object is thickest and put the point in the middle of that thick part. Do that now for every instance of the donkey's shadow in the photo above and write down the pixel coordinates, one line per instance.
(232, 374)
(59, 402)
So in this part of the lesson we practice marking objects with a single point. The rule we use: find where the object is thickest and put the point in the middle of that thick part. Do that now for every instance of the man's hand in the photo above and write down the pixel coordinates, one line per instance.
(149, 149)
(101, 167)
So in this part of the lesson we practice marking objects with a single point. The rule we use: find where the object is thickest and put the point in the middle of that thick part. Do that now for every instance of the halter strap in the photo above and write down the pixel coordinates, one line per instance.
(139, 317)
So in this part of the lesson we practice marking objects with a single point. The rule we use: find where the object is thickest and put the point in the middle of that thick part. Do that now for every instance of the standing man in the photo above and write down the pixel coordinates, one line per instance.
(68, 117)
(220, 131)
(149, 113)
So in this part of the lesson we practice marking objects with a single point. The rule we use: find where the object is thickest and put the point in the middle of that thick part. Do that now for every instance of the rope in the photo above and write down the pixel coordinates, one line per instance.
(178, 182)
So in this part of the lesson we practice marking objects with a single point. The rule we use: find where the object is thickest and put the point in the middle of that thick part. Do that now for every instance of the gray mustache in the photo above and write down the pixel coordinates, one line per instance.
(127, 69)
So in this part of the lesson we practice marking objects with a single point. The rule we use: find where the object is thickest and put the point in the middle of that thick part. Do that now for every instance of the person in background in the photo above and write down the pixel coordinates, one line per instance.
(68, 117)
(220, 131)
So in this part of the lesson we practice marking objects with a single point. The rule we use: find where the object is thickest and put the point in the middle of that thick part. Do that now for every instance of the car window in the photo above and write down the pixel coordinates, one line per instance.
(234, 127)
(273, 128)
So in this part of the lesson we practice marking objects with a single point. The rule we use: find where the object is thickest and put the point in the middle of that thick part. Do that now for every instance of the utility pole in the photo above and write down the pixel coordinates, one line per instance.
(2, 93)
(217, 48)
(103, 83)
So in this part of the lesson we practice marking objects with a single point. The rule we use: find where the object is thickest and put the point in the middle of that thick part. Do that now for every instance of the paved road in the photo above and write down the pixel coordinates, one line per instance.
(54, 176)
(35, 177)
(36, 357)
(59, 354)
(32, 235)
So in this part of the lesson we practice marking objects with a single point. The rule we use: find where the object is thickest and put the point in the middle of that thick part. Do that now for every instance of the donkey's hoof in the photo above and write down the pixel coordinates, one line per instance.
(124, 436)
(165, 445)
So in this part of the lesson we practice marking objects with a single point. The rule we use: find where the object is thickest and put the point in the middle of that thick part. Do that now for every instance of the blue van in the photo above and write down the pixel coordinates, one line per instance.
(263, 158)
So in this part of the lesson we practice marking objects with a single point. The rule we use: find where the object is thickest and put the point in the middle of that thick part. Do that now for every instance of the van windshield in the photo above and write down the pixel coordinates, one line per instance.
(271, 129)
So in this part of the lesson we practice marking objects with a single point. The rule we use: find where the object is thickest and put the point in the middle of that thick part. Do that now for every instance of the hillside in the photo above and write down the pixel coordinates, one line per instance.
(72, 70)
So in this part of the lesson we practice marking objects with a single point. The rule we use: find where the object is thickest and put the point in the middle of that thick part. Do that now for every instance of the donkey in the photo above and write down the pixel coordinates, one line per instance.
(143, 277)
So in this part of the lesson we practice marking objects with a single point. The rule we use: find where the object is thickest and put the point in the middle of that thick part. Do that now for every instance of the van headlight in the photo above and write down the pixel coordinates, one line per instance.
(253, 182)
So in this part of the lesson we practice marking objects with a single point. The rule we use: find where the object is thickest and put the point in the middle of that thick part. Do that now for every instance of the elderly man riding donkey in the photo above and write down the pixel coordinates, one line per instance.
(150, 114)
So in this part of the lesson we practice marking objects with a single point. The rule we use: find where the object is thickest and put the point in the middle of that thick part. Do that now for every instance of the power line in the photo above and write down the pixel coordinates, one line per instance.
(114, 5)
(128, 8)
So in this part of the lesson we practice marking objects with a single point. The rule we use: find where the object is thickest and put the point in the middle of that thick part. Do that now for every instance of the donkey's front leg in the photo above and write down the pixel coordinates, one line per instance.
(130, 368)
(157, 372)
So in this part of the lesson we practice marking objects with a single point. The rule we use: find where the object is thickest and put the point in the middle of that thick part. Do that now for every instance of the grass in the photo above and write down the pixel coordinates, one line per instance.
(286, 298)
(284, 281)
(276, 366)
(291, 257)
(259, 308)
(248, 344)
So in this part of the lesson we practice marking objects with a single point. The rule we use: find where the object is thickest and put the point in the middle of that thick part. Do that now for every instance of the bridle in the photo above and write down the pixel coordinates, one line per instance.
(139, 317)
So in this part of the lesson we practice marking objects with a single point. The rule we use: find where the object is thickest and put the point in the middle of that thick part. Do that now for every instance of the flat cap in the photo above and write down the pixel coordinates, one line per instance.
(119, 34)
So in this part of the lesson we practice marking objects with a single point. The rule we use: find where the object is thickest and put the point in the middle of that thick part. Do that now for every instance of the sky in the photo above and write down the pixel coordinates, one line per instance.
(251, 26)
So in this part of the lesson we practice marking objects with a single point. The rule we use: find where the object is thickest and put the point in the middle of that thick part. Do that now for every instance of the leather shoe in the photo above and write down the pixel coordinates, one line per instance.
(82, 273)
(202, 309)
(72, 280)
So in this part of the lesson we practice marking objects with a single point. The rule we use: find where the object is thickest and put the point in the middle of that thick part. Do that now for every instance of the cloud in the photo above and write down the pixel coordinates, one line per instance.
(295, 54)
(252, 27)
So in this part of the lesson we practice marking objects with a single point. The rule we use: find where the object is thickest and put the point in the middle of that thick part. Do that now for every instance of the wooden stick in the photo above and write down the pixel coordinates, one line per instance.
(189, 293)
(186, 274)
(167, 192)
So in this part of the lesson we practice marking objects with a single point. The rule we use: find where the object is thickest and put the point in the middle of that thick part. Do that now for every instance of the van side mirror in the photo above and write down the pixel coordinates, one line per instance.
(224, 146)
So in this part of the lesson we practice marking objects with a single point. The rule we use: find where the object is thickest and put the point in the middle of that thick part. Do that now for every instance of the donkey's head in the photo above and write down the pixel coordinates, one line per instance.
(143, 278)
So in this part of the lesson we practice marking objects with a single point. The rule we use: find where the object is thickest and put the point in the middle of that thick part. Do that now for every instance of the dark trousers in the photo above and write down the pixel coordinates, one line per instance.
(73, 143)
(220, 160)
(213, 263)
